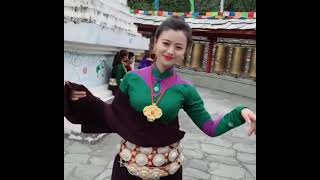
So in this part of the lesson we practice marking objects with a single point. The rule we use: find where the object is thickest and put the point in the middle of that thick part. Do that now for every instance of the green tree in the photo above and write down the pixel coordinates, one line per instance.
(141, 4)
(240, 5)
(175, 5)
(207, 5)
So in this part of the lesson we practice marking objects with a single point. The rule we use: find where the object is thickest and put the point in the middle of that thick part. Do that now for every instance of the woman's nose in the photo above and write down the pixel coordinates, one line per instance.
(170, 50)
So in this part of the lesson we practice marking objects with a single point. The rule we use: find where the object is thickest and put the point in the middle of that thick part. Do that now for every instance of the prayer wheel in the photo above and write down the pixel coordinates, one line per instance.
(197, 54)
(237, 60)
(252, 67)
(220, 58)
(244, 61)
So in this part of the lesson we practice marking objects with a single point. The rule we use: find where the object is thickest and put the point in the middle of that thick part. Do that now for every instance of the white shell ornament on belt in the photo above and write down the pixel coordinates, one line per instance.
(126, 154)
(173, 155)
(163, 149)
(133, 169)
(144, 173)
(173, 168)
(130, 145)
(158, 160)
(145, 150)
(156, 173)
(141, 159)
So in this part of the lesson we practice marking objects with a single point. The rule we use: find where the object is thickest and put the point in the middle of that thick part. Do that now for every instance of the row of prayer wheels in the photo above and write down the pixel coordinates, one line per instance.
(238, 60)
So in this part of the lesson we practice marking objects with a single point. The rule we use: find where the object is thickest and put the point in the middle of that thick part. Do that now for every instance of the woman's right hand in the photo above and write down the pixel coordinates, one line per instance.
(76, 95)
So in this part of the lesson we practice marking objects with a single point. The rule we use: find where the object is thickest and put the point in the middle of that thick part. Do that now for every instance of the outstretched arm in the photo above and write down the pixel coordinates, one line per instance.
(81, 107)
(194, 107)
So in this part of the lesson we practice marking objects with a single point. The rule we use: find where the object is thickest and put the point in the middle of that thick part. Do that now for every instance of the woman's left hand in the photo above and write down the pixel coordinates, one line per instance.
(249, 117)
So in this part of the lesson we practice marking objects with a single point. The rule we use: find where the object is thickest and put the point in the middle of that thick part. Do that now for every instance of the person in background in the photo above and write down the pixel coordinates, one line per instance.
(146, 60)
(118, 70)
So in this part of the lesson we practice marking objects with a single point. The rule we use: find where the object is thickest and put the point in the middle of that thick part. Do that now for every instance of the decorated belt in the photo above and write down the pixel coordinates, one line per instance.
(151, 162)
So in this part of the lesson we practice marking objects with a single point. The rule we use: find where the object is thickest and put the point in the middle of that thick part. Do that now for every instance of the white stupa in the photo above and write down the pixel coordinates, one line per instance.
(106, 25)
(94, 30)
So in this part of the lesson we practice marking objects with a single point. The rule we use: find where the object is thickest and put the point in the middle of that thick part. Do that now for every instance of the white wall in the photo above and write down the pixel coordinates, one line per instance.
(94, 34)
(86, 69)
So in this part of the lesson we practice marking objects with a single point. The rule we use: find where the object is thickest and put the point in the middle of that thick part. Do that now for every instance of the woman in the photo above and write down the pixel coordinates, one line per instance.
(145, 111)
(118, 70)
(146, 60)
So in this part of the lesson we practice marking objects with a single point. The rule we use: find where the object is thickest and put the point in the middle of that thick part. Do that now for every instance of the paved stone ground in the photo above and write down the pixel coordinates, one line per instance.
(227, 157)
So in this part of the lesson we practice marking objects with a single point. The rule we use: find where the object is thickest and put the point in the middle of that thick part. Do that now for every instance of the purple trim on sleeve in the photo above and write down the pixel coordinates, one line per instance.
(210, 126)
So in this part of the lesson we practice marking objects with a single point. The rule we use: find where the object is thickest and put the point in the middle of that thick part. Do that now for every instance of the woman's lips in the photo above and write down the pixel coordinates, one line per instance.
(168, 58)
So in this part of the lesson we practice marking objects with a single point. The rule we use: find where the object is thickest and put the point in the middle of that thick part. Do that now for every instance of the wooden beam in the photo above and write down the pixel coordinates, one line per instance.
(224, 33)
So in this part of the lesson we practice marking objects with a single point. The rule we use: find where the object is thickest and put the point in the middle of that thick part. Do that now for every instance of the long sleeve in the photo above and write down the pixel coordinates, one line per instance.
(194, 107)
(90, 111)
(95, 116)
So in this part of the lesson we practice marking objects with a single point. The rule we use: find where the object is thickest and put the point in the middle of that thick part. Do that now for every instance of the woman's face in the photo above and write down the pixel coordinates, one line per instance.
(170, 47)
(132, 60)
(124, 59)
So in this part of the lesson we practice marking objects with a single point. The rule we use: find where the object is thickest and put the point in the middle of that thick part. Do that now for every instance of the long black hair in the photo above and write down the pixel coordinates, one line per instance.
(118, 57)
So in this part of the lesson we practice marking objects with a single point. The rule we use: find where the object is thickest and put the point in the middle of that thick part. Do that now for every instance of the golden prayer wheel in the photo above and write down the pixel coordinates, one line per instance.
(237, 60)
(220, 58)
(197, 54)
(252, 67)
(245, 61)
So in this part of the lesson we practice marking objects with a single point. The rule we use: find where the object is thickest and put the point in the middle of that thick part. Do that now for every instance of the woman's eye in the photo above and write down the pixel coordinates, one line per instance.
(166, 43)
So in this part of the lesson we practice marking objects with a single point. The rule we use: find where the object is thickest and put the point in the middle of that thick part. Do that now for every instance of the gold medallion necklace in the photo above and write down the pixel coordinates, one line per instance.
(153, 112)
